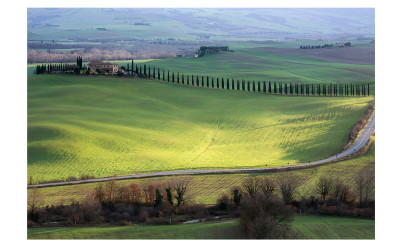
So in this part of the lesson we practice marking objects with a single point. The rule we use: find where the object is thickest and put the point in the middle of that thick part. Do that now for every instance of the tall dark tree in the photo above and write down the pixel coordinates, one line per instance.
(137, 71)
(217, 83)
(159, 198)
(222, 83)
(212, 82)
(248, 86)
(265, 87)
(168, 191)
(202, 81)
(132, 69)
(183, 79)
(243, 85)
(237, 85)
(177, 78)
(173, 77)
(168, 76)
(154, 72)
(187, 80)
(208, 82)
(368, 89)
(144, 71)
(163, 75)
(269, 87)
(197, 80)
(227, 83)
(254, 86)
(192, 80)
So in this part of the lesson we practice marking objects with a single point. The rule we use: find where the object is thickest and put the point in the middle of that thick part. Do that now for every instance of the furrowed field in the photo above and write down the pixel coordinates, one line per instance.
(105, 126)
(206, 189)
(308, 227)
(279, 64)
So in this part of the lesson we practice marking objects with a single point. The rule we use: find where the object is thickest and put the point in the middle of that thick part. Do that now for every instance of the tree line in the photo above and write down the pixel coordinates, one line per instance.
(146, 71)
(264, 205)
(251, 86)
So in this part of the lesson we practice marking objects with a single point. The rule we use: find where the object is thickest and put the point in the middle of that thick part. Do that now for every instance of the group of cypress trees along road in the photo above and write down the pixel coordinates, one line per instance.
(259, 87)
(228, 84)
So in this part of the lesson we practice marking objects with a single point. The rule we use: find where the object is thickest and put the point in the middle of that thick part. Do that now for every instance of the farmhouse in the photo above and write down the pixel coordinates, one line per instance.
(103, 67)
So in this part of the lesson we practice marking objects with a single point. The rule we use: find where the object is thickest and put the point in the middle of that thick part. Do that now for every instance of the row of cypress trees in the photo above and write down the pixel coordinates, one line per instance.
(252, 86)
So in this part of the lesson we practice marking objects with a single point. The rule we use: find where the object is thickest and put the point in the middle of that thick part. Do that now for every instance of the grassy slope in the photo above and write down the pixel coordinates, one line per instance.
(263, 65)
(309, 227)
(207, 188)
(102, 126)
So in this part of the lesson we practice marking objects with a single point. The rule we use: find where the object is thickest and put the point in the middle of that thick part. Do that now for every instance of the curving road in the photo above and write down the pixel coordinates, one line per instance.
(360, 142)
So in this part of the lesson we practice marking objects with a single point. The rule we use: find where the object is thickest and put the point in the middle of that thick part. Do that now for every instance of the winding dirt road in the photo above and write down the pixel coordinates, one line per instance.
(360, 142)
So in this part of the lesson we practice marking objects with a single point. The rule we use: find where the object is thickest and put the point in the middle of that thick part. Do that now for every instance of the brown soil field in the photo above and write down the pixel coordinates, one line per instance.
(351, 55)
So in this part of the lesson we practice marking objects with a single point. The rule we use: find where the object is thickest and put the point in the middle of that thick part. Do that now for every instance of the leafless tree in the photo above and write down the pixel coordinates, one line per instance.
(35, 199)
(90, 208)
(288, 183)
(267, 185)
(252, 185)
(324, 186)
(180, 186)
(365, 184)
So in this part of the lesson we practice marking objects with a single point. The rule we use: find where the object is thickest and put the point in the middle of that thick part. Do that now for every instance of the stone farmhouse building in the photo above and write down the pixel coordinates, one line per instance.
(103, 67)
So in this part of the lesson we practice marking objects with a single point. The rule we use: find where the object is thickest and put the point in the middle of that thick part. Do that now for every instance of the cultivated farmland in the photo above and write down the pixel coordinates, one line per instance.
(105, 126)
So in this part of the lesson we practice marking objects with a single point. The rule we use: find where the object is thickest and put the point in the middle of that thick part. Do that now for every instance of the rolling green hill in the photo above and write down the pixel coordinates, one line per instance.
(102, 126)
(263, 64)
(309, 227)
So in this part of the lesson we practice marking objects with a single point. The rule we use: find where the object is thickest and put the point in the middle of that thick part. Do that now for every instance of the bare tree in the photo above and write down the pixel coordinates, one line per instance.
(365, 183)
(180, 187)
(91, 208)
(35, 199)
(288, 183)
(252, 185)
(324, 186)
(267, 185)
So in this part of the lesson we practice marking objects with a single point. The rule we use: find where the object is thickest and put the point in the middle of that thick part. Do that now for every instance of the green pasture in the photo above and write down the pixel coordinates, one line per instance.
(332, 227)
(101, 126)
(259, 64)
(308, 227)
(206, 189)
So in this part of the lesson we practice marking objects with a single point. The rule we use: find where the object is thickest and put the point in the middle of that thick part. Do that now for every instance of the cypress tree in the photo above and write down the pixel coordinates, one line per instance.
(144, 70)
(265, 87)
(140, 70)
(217, 83)
(254, 86)
(212, 82)
(202, 81)
(275, 90)
(248, 86)
(168, 75)
(163, 75)
(243, 87)
(368, 89)
(192, 80)
(269, 87)
(197, 80)
(259, 88)
(136, 69)
(177, 78)
(187, 80)
(208, 82)
(183, 79)
(222, 83)
(173, 77)
(227, 83)
(132, 69)
(154, 72)
(237, 85)
(158, 73)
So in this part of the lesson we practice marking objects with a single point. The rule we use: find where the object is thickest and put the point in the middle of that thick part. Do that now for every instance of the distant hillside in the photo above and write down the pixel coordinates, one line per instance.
(202, 24)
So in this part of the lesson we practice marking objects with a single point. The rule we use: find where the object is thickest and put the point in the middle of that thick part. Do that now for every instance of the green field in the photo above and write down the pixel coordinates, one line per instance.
(309, 227)
(206, 189)
(332, 227)
(261, 64)
(105, 126)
